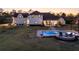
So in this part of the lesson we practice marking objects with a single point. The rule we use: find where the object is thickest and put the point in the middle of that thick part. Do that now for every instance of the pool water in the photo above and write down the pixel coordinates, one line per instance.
(49, 33)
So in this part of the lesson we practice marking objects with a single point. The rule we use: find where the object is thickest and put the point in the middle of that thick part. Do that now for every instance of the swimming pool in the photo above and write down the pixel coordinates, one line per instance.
(49, 33)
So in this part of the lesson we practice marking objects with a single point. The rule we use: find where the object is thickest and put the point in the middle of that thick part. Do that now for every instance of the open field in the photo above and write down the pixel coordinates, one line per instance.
(24, 39)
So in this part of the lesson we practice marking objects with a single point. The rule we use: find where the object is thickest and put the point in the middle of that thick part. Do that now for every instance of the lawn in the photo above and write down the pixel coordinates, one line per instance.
(24, 39)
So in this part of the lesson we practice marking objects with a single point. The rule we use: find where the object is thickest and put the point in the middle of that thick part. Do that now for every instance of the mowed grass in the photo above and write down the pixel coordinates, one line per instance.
(24, 39)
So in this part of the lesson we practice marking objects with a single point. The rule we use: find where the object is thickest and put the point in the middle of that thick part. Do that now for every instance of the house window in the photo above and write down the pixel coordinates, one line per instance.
(44, 23)
(35, 16)
(48, 23)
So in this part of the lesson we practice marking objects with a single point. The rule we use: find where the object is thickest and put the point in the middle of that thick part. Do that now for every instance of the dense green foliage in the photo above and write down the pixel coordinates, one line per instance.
(5, 18)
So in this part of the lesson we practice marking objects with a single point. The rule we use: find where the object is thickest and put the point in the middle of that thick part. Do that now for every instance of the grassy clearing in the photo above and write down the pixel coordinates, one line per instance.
(24, 39)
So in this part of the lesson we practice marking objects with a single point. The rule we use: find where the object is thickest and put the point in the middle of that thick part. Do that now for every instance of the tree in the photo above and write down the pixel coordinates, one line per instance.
(30, 11)
(6, 14)
(63, 15)
(58, 15)
(5, 18)
(77, 16)
(70, 18)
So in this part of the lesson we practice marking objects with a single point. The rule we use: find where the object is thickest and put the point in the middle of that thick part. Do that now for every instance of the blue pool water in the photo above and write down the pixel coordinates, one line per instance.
(49, 33)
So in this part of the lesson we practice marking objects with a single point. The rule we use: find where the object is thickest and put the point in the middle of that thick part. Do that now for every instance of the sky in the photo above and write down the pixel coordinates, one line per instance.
(53, 10)
(54, 6)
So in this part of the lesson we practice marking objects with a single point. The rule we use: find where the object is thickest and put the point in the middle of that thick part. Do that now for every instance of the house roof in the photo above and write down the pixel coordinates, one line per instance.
(35, 13)
(49, 16)
(46, 15)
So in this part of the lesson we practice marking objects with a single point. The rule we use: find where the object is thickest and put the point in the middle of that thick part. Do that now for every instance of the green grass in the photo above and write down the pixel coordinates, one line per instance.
(24, 39)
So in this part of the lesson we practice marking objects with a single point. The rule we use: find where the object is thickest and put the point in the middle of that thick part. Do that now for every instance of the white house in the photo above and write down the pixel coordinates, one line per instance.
(62, 21)
(54, 22)
(50, 22)
(19, 20)
(35, 20)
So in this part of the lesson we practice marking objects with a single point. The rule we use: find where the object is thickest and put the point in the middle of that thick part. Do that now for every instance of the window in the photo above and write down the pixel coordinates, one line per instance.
(35, 16)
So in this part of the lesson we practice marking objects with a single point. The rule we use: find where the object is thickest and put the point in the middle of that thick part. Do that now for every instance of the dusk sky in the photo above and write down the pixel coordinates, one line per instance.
(55, 10)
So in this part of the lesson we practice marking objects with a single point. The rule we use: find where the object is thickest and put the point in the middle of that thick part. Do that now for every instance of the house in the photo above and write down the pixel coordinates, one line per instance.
(35, 18)
(52, 20)
(76, 21)
(62, 21)
(44, 18)
(41, 18)
(19, 18)
(49, 19)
